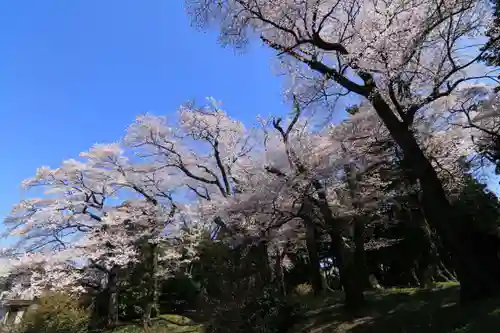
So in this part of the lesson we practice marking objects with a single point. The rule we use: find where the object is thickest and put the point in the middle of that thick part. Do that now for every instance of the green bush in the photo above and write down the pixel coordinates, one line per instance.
(179, 294)
(237, 292)
(55, 313)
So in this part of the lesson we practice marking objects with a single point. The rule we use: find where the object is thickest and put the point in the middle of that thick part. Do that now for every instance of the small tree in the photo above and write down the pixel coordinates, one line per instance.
(55, 313)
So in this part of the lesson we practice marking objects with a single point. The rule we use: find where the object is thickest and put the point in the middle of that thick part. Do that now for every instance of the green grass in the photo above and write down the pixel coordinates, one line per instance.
(406, 310)
(401, 311)
(164, 324)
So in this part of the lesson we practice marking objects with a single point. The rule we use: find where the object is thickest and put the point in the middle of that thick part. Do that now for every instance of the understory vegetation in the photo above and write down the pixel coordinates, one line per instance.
(435, 309)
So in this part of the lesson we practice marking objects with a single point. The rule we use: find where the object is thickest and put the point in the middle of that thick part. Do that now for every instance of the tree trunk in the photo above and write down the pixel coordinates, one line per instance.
(264, 268)
(278, 273)
(354, 298)
(99, 314)
(475, 254)
(312, 251)
(112, 293)
(344, 257)
(360, 254)
(359, 229)
(152, 285)
(430, 260)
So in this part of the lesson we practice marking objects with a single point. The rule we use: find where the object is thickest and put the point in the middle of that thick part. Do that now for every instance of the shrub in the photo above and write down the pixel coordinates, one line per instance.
(262, 312)
(55, 313)
(179, 294)
(237, 292)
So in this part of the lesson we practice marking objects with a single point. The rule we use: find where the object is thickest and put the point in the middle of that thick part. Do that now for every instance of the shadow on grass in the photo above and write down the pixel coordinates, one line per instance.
(404, 310)
(166, 323)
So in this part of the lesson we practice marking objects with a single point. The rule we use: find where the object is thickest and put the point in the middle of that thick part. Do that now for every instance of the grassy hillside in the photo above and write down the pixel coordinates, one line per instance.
(165, 324)
(390, 311)
(402, 310)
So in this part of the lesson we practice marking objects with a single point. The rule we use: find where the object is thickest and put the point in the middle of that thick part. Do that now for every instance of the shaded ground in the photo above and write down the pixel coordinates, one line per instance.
(402, 310)
(390, 311)
(165, 324)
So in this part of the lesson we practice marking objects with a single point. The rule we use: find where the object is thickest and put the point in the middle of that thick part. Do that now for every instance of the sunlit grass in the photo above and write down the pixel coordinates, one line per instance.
(407, 310)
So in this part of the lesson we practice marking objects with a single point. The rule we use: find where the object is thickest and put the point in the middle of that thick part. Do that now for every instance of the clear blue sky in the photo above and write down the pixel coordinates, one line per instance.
(77, 72)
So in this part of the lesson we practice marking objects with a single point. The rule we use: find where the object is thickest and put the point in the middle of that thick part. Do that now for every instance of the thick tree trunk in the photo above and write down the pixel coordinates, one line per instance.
(475, 254)
(263, 263)
(344, 257)
(354, 298)
(314, 264)
(430, 260)
(99, 314)
(360, 254)
(359, 229)
(112, 294)
(278, 273)
(152, 285)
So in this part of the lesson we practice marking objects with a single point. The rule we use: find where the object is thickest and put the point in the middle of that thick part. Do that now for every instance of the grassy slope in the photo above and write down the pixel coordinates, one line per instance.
(165, 324)
(389, 311)
(402, 310)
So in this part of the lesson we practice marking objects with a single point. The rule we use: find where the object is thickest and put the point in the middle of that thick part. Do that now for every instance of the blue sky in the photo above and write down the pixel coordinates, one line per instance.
(77, 72)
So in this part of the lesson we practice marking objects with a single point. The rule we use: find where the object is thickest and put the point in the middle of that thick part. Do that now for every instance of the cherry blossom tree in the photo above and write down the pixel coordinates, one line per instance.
(274, 186)
(203, 148)
(155, 191)
(340, 161)
(300, 177)
(478, 114)
(399, 56)
(82, 225)
(214, 157)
